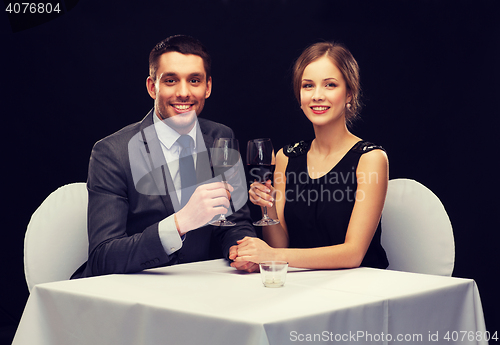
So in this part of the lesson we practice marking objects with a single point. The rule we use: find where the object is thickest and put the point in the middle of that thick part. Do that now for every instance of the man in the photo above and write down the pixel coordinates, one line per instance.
(140, 212)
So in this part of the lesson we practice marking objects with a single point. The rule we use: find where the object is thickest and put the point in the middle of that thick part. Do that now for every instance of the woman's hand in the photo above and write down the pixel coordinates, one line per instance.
(255, 250)
(241, 264)
(262, 194)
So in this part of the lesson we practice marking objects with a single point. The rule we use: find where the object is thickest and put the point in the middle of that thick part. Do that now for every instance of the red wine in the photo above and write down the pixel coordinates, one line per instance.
(260, 172)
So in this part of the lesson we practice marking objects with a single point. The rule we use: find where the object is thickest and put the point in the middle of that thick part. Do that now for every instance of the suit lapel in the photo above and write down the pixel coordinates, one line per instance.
(153, 155)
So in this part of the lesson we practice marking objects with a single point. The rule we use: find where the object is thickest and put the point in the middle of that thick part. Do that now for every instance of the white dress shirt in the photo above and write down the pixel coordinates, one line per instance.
(167, 229)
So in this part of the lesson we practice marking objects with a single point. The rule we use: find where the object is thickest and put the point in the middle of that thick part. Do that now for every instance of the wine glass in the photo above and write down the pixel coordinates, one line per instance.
(225, 154)
(261, 163)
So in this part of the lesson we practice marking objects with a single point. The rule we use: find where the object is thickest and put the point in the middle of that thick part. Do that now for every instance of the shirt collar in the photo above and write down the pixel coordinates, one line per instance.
(167, 135)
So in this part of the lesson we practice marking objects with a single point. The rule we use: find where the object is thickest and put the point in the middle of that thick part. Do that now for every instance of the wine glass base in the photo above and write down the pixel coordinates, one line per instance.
(222, 223)
(266, 222)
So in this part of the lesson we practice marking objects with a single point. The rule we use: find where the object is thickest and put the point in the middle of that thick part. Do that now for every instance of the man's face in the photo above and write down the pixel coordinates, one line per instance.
(180, 89)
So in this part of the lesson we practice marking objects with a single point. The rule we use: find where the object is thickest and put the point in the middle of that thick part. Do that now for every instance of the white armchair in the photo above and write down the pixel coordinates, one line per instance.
(56, 241)
(416, 231)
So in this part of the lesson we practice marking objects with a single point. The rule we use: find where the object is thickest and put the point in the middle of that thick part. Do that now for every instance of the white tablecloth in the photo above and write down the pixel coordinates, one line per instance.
(212, 303)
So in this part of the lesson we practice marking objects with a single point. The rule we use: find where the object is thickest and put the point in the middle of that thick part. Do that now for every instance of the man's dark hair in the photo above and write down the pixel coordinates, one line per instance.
(182, 44)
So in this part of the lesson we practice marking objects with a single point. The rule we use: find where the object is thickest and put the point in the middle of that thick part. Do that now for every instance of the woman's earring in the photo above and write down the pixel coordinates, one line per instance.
(348, 105)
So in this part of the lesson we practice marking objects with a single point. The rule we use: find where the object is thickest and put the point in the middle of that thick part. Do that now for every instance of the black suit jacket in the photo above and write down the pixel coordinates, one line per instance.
(126, 204)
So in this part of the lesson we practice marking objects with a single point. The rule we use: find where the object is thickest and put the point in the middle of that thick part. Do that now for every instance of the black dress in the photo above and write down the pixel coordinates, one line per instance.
(317, 211)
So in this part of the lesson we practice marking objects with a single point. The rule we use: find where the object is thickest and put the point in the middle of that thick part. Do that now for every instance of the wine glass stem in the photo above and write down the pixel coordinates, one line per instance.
(265, 216)
(222, 218)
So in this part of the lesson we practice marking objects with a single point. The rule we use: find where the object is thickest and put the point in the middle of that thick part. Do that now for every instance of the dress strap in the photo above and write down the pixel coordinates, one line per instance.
(302, 147)
(366, 146)
(297, 149)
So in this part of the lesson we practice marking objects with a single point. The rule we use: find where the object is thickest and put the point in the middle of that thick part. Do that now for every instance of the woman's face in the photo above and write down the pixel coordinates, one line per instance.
(323, 93)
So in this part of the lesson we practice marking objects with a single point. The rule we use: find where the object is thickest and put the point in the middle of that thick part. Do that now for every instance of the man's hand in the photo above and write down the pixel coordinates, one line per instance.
(207, 201)
(241, 265)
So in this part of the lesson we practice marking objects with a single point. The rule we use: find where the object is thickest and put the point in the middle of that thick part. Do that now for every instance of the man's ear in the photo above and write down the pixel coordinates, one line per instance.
(151, 86)
(209, 88)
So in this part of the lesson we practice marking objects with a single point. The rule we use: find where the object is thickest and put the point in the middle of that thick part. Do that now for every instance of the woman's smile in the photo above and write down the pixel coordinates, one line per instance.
(318, 110)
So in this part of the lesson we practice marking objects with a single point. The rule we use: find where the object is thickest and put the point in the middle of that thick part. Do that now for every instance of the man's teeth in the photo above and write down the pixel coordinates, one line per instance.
(319, 108)
(182, 107)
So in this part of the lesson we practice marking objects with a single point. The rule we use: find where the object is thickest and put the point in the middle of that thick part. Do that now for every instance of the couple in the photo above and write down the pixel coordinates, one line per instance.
(140, 215)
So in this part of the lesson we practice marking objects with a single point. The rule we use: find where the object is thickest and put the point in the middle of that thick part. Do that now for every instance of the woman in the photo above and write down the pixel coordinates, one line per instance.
(329, 192)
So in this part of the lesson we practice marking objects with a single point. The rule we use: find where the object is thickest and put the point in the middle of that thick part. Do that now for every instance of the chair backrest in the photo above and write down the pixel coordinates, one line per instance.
(56, 241)
(416, 231)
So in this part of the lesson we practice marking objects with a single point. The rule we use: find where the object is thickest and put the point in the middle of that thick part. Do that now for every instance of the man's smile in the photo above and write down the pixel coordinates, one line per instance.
(181, 108)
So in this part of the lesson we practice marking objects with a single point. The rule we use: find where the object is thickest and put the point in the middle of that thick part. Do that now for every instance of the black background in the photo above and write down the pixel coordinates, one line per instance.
(429, 72)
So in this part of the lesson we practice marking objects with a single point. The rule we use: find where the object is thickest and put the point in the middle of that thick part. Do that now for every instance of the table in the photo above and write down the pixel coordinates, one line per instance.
(211, 303)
